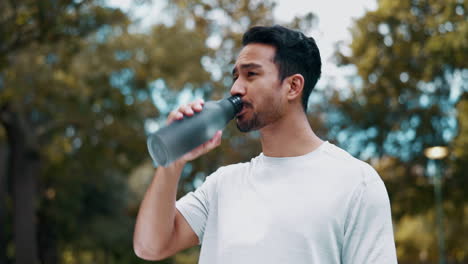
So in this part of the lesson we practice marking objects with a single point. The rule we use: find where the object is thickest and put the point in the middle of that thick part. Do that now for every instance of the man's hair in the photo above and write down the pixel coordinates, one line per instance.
(295, 53)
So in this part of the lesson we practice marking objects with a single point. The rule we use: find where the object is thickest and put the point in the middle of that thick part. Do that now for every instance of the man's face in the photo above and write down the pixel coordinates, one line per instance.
(256, 80)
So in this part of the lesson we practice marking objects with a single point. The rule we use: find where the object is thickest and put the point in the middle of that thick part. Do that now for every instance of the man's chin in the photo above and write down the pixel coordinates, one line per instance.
(244, 126)
(243, 129)
(241, 126)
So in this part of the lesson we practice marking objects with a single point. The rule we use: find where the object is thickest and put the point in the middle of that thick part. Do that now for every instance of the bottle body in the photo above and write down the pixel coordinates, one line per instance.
(171, 142)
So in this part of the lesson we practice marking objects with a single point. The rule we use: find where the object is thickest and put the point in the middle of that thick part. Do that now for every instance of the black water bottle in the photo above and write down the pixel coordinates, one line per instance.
(171, 142)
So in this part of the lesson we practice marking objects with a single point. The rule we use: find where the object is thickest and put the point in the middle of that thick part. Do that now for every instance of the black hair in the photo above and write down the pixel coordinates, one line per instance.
(295, 53)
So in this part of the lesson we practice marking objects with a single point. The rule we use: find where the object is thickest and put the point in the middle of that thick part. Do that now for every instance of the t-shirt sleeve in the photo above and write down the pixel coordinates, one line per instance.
(368, 236)
(195, 206)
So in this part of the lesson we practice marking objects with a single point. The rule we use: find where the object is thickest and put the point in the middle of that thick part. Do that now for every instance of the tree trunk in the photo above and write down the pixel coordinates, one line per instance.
(24, 168)
(3, 209)
(24, 188)
(48, 252)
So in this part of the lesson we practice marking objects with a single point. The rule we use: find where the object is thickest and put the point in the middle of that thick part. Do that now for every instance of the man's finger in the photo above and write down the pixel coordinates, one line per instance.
(186, 110)
(174, 115)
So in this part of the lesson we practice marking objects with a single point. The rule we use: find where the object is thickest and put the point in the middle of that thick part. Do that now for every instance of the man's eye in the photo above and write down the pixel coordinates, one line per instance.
(251, 74)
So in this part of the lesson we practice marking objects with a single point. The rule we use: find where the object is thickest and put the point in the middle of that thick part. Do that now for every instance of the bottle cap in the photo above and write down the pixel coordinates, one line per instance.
(236, 102)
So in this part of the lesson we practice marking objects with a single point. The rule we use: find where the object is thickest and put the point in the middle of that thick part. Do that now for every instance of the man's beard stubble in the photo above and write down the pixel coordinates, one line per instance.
(258, 120)
(249, 125)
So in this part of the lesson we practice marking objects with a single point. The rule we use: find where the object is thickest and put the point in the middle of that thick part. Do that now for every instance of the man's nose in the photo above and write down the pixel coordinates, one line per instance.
(238, 88)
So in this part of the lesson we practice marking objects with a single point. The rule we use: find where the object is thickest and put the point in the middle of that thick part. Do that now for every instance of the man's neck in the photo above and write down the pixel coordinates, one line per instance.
(289, 137)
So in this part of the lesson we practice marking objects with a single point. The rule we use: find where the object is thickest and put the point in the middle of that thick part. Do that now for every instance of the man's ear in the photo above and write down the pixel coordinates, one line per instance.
(296, 85)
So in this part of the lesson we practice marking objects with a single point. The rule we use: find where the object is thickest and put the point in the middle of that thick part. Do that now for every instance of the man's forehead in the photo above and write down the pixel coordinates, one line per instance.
(257, 51)
(255, 56)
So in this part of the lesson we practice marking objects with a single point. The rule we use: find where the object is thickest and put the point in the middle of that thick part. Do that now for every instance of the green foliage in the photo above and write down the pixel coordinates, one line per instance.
(407, 55)
(411, 61)
(83, 87)
(460, 144)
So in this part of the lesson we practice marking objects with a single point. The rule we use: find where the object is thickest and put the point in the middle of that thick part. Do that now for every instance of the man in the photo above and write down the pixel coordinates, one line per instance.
(302, 200)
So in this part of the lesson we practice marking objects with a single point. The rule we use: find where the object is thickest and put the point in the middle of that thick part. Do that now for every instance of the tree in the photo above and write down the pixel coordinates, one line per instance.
(458, 228)
(75, 96)
(411, 60)
(25, 25)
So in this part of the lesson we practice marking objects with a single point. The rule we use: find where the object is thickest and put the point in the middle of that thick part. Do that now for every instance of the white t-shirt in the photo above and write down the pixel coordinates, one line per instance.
(322, 207)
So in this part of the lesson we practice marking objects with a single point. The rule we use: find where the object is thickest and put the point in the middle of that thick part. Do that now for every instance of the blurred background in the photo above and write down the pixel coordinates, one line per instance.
(82, 83)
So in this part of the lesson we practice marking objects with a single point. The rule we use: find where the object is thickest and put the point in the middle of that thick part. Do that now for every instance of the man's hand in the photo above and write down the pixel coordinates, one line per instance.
(189, 110)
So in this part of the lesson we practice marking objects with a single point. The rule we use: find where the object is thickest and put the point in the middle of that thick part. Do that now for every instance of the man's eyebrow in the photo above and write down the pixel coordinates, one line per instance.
(246, 66)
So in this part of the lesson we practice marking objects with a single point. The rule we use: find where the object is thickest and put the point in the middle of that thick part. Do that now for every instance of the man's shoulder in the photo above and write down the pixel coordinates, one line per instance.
(349, 164)
(235, 168)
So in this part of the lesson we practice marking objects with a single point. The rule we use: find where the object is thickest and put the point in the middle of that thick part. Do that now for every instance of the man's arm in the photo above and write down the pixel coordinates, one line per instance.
(160, 230)
(368, 230)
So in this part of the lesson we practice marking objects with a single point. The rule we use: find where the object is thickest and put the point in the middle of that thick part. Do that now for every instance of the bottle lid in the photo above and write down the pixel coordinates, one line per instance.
(236, 102)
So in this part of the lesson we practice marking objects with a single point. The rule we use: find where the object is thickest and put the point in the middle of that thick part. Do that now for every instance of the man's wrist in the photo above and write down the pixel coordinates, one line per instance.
(175, 167)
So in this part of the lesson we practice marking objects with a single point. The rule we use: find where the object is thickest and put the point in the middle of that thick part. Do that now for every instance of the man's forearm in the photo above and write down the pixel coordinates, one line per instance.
(155, 221)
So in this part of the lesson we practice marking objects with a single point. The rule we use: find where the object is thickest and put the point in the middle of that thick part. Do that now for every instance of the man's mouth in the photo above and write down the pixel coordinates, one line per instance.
(243, 110)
